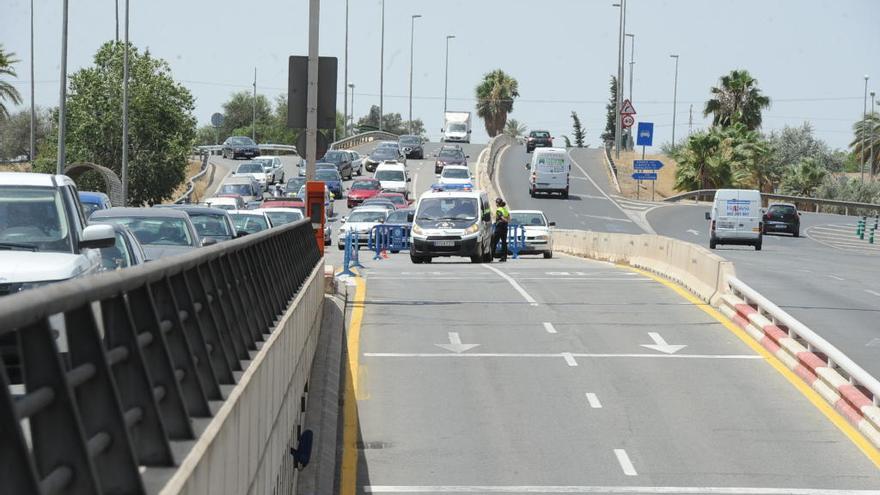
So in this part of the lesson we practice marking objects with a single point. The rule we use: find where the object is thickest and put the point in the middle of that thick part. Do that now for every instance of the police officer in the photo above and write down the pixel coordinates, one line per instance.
(502, 218)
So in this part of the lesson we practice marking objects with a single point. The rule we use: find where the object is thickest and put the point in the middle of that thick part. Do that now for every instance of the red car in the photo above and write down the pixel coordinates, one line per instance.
(283, 203)
(362, 189)
(400, 202)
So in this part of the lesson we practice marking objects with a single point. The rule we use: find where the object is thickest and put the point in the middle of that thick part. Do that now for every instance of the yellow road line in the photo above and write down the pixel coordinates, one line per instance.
(836, 419)
(348, 473)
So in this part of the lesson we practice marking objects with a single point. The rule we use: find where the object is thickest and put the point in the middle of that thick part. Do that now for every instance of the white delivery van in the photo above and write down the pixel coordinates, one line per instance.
(735, 218)
(456, 127)
(550, 169)
(452, 223)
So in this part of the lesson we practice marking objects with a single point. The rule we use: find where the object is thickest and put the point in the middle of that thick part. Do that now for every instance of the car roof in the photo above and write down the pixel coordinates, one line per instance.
(93, 196)
(196, 209)
(118, 227)
(32, 179)
(388, 193)
(452, 194)
(281, 208)
(370, 208)
(224, 198)
(542, 151)
(257, 212)
(265, 156)
(391, 166)
(526, 211)
(782, 204)
(455, 167)
(139, 212)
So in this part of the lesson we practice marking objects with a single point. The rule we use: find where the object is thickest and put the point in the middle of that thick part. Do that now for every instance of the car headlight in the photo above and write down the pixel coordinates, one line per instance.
(417, 230)
(473, 228)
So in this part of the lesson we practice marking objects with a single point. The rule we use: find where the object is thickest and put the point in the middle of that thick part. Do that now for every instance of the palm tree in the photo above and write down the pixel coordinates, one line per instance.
(703, 162)
(736, 99)
(495, 95)
(804, 178)
(514, 129)
(866, 142)
(7, 91)
(751, 158)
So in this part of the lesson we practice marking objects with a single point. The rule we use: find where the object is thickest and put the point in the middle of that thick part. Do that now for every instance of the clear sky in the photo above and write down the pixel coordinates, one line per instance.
(809, 56)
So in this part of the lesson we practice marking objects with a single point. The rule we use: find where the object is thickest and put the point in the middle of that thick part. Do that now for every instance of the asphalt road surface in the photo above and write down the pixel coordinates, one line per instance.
(572, 376)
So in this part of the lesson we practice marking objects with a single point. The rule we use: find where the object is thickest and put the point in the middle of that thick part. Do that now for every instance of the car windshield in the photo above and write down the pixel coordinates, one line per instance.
(282, 217)
(540, 134)
(327, 175)
(267, 163)
(399, 216)
(368, 185)
(33, 218)
(448, 209)
(392, 175)
(396, 199)
(89, 208)
(524, 218)
(334, 156)
(242, 189)
(367, 216)
(455, 173)
(249, 223)
(410, 140)
(782, 210)
(156, 231)
(210, 225)
(242, 141)
(448, 153)
(385, 154)
(325, 166)
(116, 256)
(293, 185)
(457, 127)
(249, 168)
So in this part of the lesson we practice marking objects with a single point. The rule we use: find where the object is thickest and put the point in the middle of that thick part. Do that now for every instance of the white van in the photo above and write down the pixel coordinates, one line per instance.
(550, 169)
(735, 218)
(392, 177)
(452, 223)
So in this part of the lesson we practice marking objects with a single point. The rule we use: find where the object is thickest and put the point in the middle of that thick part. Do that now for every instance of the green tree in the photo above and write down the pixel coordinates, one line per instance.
(495, 95)
(567, 141)
(7, 90)
(514, 129)
(703, 162)
(161, 125)
(610, 114)
(804, 178)
(577, 130)
(866, 142)
(238, 115)
(391, 122)
(793, 144)
(750, 157)
(15, 132)
(737, 99)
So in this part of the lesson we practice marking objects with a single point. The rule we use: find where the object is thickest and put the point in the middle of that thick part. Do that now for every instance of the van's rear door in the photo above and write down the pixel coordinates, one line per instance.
(551, 171)
(739, 213)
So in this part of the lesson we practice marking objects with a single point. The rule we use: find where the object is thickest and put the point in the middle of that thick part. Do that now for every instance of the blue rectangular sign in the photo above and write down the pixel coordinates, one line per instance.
(645, 176)
(647, 164)
(645, 134)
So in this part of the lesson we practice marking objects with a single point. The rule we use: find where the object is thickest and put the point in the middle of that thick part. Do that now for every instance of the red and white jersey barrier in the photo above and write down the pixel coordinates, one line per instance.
(853, 392)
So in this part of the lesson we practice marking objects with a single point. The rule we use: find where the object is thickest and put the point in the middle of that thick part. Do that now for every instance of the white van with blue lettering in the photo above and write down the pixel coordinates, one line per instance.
(735, 218)
(550, 168)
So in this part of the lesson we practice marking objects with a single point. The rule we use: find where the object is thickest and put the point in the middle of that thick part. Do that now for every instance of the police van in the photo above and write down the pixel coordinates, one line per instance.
(735, 218)
(550, 172)
(452, 223)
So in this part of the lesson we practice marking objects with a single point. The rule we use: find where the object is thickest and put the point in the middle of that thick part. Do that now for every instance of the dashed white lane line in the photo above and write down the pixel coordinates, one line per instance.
(625, 464)
(549, 327)
(835, 277)
(873, 292)
(593, 400)
(531, 300)
(569, 359)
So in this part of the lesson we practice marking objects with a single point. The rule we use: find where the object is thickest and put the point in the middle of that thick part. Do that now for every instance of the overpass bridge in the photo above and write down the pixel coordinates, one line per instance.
(629, 363)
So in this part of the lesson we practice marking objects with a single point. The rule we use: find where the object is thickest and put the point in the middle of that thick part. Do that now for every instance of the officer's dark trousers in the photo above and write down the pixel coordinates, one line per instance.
(500, 233)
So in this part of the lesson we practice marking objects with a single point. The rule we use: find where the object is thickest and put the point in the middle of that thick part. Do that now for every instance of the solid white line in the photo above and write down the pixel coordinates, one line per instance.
(601, 191)
(646, 490)
(610, 219)
(531, 300)
(593, 400)
(872, 292)
(625, 463)
(549, 327)
(835, 277)
(569, 359)
(565, 355)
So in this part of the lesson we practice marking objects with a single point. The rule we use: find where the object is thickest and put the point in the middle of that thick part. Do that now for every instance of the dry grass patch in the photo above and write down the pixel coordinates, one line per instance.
(665, 183)
(192, 168)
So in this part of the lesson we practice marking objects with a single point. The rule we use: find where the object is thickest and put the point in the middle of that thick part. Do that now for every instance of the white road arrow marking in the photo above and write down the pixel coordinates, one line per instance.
(455, 344)
(692, 231)
(661, 345)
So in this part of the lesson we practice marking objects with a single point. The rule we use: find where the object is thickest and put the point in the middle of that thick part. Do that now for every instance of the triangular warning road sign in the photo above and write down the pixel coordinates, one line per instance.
(627, 108)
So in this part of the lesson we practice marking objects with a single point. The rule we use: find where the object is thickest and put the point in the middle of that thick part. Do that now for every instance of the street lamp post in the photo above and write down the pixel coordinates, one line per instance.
(382, 69)
(125, 113)
(674, 97)
(412, 31)
(618, 127)
(873, 138)
(254, 119)
(345, 84)
(446, 83)
(62, 99)
(33, 105)
(632, 61)
(351, 86)
(864, 131)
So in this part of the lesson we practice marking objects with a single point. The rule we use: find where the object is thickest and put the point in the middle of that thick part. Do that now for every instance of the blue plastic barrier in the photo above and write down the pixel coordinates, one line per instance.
(516, 240)
(388, 238)
(350, 254)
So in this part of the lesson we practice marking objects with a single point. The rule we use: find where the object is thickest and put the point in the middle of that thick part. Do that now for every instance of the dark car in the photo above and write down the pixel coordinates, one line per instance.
(162, 232)
(293, 185)
(782, 217)
(342, 160)
(240, 146)
(412, 146)
(401, 217)
(538, 139)
(381, 154)
(449, 156)
(213, 223)
(332, 180)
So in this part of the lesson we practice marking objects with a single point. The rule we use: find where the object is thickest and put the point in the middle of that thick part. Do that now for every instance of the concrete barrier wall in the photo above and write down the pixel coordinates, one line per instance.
(694, 267)
(245, 447)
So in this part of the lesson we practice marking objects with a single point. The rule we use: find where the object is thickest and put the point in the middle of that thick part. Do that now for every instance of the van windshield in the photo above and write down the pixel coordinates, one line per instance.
(432, 209)
(33, 219)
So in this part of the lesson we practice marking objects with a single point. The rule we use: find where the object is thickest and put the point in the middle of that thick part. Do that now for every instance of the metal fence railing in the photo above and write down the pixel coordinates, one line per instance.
(816, 204)
(148, 349)
(216, 149)
(363, 138)
(186, 197)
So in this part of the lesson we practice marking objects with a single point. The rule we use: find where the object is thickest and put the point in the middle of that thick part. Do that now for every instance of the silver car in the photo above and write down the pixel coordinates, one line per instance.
(273, 168)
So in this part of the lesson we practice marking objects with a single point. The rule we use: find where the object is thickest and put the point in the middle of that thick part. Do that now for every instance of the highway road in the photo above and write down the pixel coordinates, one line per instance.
(826, 278)
(571, 376)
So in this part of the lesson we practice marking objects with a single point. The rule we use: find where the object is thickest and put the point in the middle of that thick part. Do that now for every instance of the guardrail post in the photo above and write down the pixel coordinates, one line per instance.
(347, 255)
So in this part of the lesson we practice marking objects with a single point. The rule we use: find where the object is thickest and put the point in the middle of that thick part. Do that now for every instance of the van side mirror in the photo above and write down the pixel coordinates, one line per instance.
(98, 236)
(410, 217)
(708, 216)
(551, 224)
(487, 217)
(208, 241)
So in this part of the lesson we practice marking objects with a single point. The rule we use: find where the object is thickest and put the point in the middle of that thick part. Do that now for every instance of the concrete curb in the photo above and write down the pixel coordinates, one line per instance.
(611, 169)
(846, 398)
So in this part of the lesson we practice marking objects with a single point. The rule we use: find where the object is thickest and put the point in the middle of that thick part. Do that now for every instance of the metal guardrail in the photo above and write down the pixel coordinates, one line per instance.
(845, 206)
(612, 167)
(216, 149)
(496, 145)
(149, 350)
(186, 197)
(363, 138)
(833, 357)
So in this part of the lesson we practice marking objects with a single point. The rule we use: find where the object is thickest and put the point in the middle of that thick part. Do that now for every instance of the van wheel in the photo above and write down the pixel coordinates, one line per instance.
(532, 193)
(796, 233)
(477, 258)
(565, 195)
(712, 243)
(758, 245)
(548, 255)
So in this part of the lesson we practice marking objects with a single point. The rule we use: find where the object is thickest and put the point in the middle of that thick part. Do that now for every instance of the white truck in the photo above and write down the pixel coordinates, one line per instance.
(456, 127)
